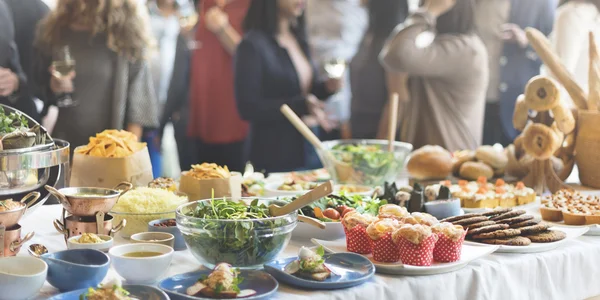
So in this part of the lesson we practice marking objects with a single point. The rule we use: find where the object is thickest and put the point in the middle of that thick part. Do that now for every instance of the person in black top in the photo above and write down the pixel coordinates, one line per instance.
(13, 82)
(272, 68)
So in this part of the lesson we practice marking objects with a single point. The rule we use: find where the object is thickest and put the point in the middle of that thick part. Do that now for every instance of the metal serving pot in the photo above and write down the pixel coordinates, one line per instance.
(85, 201)
(78, 225)
(12, 241)
(11, 217)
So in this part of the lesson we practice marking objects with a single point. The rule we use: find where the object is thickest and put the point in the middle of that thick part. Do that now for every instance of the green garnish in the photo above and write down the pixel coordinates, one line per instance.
(372, 163)
(12, 122)
(308, 265)
(358, 202)
(244, 241)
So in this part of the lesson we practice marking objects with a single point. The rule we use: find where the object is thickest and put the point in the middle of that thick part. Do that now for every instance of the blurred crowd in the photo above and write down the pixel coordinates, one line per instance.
(204, 80)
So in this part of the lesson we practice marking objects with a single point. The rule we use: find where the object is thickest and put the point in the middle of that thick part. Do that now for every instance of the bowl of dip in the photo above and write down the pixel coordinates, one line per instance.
(142, 263)
(93, 241)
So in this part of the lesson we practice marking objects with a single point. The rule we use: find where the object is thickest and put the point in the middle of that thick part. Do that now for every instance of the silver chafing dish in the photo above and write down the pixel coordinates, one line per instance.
(27, 169)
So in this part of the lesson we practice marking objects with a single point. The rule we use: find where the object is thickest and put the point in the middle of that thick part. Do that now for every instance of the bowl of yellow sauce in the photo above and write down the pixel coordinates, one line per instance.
(141, 263)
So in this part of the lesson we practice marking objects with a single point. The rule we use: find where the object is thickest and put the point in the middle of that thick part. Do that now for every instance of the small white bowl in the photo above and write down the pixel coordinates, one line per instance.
(21, 277)
(107, 244)
(141, 270)
(162, 238)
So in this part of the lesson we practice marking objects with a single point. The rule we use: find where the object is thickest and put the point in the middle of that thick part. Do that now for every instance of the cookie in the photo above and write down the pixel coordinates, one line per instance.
(495, 212)
(457, 218)
(534, 229)
(513, 241)
(504, 233)
(480, 224)
(525, 224)
(510, 214)
(547, 236)
(519, 219)
(473, 220)
(486, 229)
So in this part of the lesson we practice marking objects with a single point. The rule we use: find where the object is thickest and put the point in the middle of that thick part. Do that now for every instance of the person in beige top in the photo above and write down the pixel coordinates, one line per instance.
(447, 66)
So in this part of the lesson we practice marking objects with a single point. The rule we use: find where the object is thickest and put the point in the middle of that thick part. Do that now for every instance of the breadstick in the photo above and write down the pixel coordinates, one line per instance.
(540, 44)
(564, 118)
(541, 93)
(593, 75)
(521, 114)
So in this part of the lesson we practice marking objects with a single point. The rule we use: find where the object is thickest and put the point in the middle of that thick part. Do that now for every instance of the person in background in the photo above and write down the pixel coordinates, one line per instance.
(111, 85)
(512, 62)
(273, 67)
(370, 90)
(13, 83)
(335, 28)
(448, 74)
(26, 15)
(575, 19)
(215, 124)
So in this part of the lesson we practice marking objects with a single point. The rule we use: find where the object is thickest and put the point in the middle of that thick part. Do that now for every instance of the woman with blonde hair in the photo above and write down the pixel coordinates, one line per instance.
(110, 85)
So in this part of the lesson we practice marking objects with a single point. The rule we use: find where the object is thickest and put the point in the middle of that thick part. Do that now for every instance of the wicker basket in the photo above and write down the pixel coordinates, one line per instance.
(587, 144)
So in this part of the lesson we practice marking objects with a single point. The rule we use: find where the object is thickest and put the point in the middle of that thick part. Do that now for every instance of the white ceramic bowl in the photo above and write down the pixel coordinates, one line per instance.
(21, 277)
(107, 244)
(332, 231)
(141, 270)
(162, 238)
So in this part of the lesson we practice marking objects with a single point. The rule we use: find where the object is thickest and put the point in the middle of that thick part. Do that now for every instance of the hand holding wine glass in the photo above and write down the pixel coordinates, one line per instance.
(335, 69)
(63, 72)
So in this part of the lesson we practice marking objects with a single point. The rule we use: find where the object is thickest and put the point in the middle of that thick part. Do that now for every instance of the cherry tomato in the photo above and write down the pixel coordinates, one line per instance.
(347, 210)
(341, 208)
(331, 214)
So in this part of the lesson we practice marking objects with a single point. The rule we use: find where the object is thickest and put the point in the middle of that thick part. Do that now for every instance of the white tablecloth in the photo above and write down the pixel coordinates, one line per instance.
(569, 272)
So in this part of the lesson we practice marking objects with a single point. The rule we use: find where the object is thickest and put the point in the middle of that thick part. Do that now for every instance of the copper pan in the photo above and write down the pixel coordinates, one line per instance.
(76, 202)
(77, 225)
(12, 240)
(11, 218)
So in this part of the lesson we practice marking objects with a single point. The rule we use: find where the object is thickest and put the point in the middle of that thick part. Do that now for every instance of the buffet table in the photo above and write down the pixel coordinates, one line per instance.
(568, 272)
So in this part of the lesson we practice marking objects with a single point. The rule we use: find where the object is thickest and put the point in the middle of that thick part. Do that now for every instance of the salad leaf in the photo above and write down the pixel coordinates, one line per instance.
(320, 251)
(372, 163)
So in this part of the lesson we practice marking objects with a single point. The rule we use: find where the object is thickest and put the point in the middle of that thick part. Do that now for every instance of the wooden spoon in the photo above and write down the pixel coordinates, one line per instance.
(311, 221)
(393, 124)
(302, 201)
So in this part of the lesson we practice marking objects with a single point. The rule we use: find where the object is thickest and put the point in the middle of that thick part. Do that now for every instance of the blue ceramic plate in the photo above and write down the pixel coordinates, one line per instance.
(144, 292)
(348, 269)
(264, 284)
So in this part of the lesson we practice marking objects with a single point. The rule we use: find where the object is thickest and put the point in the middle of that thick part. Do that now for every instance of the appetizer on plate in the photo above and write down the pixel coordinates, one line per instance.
(222, 283)
(114, 292)
(297, 185)
(163, 183)
(309, 265)
(253, 185)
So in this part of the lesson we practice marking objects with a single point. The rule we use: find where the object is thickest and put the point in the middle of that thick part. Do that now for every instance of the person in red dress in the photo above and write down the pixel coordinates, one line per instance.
(215, 124)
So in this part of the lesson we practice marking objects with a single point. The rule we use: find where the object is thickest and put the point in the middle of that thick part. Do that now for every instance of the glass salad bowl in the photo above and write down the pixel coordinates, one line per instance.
(246, 237)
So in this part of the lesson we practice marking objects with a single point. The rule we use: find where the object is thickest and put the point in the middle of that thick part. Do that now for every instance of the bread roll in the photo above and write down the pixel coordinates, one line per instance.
(472, 170)
(521, 114)
(542, 93)
(564, 118)
(430, 162)
(540, 141)
(492, 157)
(460, 157)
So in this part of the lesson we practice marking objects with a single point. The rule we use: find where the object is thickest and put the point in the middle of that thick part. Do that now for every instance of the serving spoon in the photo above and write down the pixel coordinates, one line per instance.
(37, 250)
(315, 194)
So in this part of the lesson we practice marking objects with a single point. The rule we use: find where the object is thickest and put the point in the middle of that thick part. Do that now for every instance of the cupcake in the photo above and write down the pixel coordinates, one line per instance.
(415, 244)
(449, 245)
(392, 211)
(420, 218)
(355, 226)
(524, 194)
(384, 249)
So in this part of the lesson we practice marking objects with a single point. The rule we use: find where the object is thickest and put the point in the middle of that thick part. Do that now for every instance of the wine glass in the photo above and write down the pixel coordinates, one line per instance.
(63, 64)
(335, 68)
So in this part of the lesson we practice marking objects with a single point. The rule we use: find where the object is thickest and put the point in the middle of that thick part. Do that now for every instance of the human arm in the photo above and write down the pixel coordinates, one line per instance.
(396, 84)
(217, 22)
(249, 94)
(141, 106)
(178, 89)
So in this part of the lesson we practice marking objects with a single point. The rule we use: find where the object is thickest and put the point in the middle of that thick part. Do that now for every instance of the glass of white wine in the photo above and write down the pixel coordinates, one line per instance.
(62, 65)
(335, 68)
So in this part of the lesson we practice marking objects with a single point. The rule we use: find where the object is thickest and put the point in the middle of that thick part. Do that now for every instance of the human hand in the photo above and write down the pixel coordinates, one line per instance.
(216, 19)
(514, 33)
(63, 84)
(9, 82)
(316, 108)
(438, 7)
(345, 131)
(333, 85)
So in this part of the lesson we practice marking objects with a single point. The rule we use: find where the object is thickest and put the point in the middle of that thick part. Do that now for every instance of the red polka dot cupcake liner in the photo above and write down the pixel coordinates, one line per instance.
(447, 250)
(358, 241)
(385, 250)
(417, 255)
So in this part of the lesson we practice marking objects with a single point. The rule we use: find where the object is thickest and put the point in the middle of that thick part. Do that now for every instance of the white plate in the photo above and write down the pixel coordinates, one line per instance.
(470, 252)
(593, 230)
(271, 190)
(572, 232)
(332, 231)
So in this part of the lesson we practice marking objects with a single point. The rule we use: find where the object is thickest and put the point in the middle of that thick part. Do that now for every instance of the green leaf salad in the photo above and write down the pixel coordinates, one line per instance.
(371, 164)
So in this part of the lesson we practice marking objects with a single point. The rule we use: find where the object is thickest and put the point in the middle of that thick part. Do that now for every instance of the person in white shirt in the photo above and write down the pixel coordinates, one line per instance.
(570, 37)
